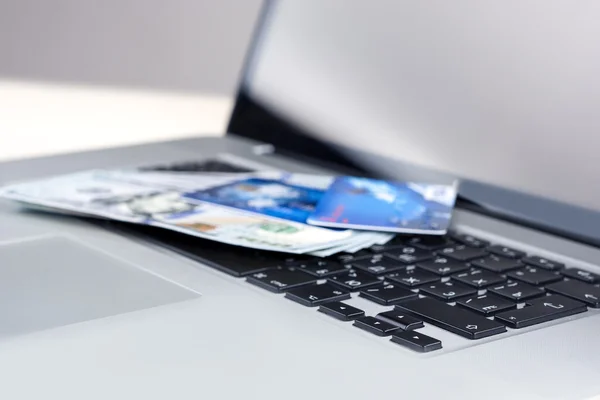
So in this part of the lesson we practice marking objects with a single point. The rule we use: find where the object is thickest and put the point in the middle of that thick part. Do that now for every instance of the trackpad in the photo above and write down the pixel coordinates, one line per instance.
(55, 281)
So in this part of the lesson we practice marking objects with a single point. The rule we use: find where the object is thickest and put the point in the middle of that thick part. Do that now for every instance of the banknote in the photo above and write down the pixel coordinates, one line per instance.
(250, 230)
(90, 192)
(359, 241)
(112, 195)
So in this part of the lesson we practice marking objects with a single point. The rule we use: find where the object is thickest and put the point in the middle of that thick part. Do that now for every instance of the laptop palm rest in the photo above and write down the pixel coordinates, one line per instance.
(55, 281)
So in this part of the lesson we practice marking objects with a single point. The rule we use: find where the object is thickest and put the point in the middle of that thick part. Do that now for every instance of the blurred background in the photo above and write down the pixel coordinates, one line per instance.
(78, 74)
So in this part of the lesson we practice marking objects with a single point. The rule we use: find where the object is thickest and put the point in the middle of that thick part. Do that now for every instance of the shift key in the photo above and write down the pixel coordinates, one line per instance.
(456, 320)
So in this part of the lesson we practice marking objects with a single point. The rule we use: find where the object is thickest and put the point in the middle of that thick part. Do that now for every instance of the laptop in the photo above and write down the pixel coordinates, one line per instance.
(503, 96)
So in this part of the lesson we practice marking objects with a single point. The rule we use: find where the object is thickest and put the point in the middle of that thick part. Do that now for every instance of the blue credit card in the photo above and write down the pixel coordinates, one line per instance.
(361, 203)
(264, 196)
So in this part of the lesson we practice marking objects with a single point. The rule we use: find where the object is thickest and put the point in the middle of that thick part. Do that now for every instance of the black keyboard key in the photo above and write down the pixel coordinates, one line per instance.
(443, 266)
(470, 240)
(541, 310)
(341, 311)
(382, 248)
(280, 280)
(582, 275)
(516, 291)
(478, 278)
(507, 252)
(447, 291)
(462, 252)
(534, 276)
(403, 320)
(378, 264)
(291, 259)
(387, 293)
(409, 254)
(375, 326)
(486, 304)
(320, 268)
(412, 277)
(347, 258)
(354, 280)
(416, 341)
(577, 290)
(199, 166)
(232, 263)
(396, 242)
(314, 295)
(429, 242)
(497, 264)
(454, 319)
(543, 263)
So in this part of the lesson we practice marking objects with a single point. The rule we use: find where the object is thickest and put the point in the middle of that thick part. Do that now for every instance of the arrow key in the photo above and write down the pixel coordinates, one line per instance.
(341, 311)
(577, 290)
(416, 341)
(375, 326)
(402, 319)
(541, 310)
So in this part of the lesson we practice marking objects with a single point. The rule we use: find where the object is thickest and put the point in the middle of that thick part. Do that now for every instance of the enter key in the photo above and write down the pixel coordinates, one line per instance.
(577, 290)
(541, 310)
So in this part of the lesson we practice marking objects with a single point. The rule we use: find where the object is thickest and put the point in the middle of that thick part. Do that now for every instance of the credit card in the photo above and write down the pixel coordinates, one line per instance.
(402, 207)
(270, 197)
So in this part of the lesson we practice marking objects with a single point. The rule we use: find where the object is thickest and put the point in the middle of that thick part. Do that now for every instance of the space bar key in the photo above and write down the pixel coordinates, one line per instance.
(453, 319)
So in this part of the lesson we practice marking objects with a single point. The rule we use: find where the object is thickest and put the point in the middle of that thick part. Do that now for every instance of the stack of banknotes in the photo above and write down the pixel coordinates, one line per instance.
(184, 202)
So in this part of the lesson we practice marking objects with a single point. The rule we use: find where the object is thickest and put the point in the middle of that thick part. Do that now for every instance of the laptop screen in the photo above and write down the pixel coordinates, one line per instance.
(506, 93)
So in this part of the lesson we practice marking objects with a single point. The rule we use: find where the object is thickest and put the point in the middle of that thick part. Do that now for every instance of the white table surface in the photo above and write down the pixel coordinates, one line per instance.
(39, 119)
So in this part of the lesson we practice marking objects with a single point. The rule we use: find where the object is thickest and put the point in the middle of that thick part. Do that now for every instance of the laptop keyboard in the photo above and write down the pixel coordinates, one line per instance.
(459, 283)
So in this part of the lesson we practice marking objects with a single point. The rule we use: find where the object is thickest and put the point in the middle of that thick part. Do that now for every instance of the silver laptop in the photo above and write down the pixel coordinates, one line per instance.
(503, 95)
